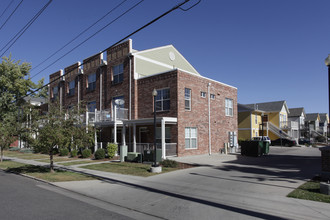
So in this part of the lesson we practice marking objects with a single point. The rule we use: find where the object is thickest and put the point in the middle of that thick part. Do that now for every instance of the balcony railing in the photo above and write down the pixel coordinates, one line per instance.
(289, 125)
(106, 116)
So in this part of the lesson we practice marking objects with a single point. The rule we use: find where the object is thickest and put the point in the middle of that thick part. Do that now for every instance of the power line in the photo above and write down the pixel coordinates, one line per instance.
(78, 35)
(6, 8)
(11, 14)
(124, 38)
(22, 31)
(84, 41)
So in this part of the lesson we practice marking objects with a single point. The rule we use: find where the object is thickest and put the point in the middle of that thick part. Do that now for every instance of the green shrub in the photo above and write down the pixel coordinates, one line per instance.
(26, 150)
(14, 149)
(64, 152)
(99, 154)
(112, 149)
(86, 153)
(74, 153)
(169, 163)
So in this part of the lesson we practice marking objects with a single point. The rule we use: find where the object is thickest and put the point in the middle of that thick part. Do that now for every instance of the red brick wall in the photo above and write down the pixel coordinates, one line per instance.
(198, 116)
(91, 66)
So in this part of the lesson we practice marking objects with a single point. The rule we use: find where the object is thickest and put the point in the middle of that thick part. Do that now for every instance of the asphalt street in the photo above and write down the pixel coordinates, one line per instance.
(24, 198)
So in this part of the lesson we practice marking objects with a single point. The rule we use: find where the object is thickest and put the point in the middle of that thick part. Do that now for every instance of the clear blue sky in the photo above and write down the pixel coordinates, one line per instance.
(270, 50)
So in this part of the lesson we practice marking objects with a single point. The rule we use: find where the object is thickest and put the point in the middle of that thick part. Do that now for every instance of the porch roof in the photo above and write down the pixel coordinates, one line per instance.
(167, 120)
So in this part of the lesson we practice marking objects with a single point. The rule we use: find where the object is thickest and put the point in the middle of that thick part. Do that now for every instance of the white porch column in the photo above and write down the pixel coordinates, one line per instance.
(163, 139)
(115, 124)
(134, 137)
(95, 141)
(123, 135)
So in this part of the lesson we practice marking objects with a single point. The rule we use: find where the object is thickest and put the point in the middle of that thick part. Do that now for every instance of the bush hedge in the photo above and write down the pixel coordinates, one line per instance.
(74, 153)
(86, 153)
(64, 152)
(99, 154)
(112, 149)
(169, 163)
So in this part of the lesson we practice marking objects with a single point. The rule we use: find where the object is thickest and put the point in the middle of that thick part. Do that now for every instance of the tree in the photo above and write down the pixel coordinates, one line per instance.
(63, 130)
(15, 83)
(42, 90)
(8, 132)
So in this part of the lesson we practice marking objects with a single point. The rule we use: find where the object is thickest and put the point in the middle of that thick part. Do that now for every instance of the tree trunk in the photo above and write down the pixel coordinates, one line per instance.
(1, 159)
(51, 161)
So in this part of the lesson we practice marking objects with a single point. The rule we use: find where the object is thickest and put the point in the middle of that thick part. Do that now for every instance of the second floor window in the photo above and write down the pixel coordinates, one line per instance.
(187, 99)
(203, 94)
(55, 92)
(118, 73)
(229, 107)
(163, 100)
(71, 88)
(91, 82)
(256, 119)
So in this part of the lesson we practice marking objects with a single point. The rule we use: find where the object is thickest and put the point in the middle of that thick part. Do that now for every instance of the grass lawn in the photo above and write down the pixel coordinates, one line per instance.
(80, 162)
(136, 169)
(58, 159)
(310, 191)
(27, 156)
(43, 173)
(10, 164)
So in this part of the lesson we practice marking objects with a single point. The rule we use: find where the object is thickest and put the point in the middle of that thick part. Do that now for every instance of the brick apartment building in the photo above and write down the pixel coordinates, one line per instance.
(195, 115)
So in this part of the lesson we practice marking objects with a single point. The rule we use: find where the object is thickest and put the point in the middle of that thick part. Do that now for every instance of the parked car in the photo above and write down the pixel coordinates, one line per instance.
(304, 141)
(285, 142)
(262, 138)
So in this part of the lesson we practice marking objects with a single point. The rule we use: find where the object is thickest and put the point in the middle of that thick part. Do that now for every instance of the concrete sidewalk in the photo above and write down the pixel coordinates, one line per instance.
(224, 187)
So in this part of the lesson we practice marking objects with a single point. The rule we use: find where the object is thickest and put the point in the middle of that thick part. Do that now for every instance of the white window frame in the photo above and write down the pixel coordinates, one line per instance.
(256, 119)
(189, 136)
(160, 100)
(187, 99)
(229, 107)
(212, 96)
(118, 73)
(203, 94)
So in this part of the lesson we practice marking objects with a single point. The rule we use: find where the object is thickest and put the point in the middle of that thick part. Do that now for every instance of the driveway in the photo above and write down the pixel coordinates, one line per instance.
(224, 187)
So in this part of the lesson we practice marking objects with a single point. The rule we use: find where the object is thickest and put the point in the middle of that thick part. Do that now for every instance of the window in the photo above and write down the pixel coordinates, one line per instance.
(187, 99)
(163, 100)
(167, 135)
(212, 96)
(203, 94)
(118, 73)
(256, 119)
(71, 88)
(190, 138)
(229, 107)
(91, 82)
(55, 92)
(91, 106)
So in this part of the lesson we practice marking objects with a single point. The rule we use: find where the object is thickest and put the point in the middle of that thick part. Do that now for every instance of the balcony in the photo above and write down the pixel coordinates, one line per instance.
(289, 125)
(105, 116)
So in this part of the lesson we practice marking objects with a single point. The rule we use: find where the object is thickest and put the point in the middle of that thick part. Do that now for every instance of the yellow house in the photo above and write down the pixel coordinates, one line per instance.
(275, 115)
(249, 122)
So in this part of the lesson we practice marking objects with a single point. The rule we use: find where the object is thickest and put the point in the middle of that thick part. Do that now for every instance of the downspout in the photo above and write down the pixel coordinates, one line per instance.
(209, 115)
(100, 88)
(130, 98)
